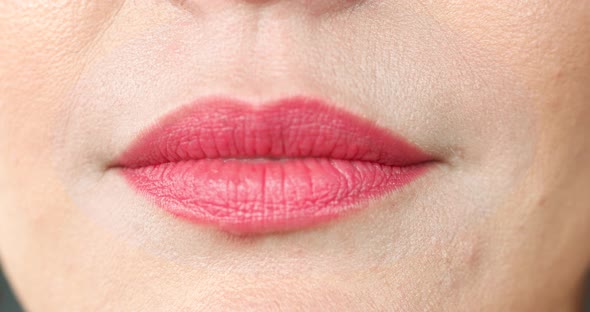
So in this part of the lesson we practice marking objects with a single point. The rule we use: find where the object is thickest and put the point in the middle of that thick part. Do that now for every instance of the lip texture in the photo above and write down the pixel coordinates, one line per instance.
(280, 166)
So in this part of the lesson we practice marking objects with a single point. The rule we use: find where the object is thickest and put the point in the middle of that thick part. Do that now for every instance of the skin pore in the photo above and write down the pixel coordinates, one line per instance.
(497, 90)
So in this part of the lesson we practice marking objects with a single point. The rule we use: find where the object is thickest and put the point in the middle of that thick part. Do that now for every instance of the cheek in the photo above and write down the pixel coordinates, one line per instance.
(43, 43)
(537, 42)
(544, 48)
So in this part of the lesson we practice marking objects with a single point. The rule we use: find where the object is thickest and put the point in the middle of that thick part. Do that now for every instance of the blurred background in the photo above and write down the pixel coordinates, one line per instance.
(8, 302)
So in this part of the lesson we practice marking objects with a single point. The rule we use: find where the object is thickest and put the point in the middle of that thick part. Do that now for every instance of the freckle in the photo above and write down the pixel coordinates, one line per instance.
(560, 74)
(173, 47)
(542, 202)
(472, 254)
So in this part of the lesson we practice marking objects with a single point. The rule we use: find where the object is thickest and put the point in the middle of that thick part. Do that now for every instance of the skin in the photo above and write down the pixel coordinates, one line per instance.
(496, 90)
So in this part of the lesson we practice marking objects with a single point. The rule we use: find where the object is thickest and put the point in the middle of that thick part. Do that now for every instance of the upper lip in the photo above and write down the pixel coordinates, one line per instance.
(277, 131)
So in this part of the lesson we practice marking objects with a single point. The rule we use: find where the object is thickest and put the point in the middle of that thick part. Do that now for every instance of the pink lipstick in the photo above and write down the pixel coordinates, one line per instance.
(280, 166)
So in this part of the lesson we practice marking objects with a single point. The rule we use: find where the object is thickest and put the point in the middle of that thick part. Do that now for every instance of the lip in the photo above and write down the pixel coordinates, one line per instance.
(281, 166)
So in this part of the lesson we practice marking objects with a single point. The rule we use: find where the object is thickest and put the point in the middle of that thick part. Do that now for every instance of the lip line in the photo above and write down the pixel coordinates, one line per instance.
(260, 160)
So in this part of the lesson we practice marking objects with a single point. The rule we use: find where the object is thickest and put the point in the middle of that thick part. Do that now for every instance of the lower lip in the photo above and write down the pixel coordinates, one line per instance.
(240, 183)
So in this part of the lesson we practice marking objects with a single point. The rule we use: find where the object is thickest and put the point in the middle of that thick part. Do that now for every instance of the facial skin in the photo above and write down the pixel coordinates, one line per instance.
(497, 90)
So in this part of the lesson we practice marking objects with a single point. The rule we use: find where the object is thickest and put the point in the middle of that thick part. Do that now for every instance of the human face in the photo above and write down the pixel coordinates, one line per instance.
(495, 92)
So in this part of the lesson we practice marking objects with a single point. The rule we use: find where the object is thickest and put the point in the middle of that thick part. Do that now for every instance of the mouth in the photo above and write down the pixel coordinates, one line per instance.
(282, 166)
